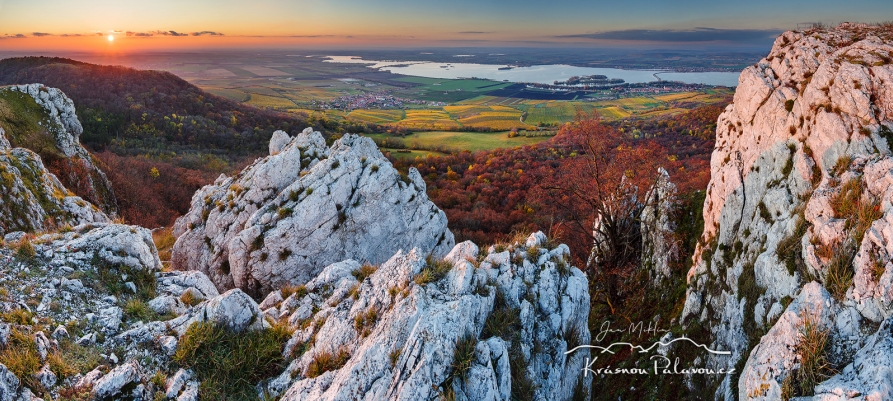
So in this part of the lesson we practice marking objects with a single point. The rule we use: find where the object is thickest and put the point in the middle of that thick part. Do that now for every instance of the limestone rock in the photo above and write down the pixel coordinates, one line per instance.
(659, 249)
(30, 196)
(112, 383)
(278, 142)
(115, 244)
(233, 310)
(399, 332)
(284, 218)
(812, 119)
(63, 129)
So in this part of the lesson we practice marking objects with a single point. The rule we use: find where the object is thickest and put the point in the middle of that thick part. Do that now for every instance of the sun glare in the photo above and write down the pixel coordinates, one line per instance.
(111, 38)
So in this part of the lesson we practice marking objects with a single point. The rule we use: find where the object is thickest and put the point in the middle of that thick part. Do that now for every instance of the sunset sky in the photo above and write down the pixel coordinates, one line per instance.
(173, 24)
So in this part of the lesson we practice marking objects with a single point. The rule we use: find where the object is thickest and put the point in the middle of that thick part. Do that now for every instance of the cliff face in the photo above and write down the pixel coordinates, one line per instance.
(32, 199)
(43, 120)
(284, 218)
(798, 215)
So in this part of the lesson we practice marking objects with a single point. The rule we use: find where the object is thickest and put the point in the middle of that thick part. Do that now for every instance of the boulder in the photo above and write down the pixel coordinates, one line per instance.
(288, 215)
(115, 381)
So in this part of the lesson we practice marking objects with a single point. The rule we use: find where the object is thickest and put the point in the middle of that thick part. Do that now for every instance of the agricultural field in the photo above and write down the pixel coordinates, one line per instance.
(454, 141)
(379, 117)
(428, 120)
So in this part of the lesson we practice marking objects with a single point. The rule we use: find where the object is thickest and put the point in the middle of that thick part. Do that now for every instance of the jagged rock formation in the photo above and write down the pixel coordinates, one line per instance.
(43, 120)
(32, 199)
(512, 314)
(800, 192)
(284, 218)
(659, 248)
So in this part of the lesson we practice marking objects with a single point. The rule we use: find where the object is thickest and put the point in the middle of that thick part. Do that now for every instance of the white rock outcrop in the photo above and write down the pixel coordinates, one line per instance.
(284, 218)
(61, 123)
(808, 135)
(32, 199)
(396, 329)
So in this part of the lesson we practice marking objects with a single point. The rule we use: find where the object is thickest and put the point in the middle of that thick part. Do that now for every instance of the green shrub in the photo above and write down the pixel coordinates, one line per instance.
(230, 364)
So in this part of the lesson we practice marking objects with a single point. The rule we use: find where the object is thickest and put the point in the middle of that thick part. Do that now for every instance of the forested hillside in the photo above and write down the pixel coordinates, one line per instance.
(137, 110)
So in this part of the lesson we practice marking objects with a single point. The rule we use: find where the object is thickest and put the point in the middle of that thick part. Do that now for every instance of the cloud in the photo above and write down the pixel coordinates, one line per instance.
(170, 33)
(66, 35)
(17, 36)
(139, 34)
(41, 34)
(472, 32)
(698, 34)
(206, 33)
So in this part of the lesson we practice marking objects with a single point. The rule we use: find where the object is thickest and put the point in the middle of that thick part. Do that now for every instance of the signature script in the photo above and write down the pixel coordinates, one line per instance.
(638, 328)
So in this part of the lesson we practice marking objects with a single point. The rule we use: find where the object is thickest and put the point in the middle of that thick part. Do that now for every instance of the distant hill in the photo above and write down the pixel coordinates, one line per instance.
(151, 109)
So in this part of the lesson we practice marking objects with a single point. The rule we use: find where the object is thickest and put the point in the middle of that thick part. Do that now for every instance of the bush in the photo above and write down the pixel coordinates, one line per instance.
(25, 250)
(230, 364)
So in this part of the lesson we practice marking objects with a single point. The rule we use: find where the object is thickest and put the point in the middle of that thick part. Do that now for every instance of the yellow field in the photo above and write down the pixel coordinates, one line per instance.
(380, 117)
(428, 119)
(271, 102)
(672, 97)
(613, 112)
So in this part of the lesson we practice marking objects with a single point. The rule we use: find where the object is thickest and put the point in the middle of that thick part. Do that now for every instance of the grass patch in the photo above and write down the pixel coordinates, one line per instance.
(790, 250)
(504, 320)
(363, 271)
(839, 274)
(463, 356)
(814, 364)
(365, 322)
(326, 361)
(230, 364)
(164, 241)
(298, 290)
(434, 271)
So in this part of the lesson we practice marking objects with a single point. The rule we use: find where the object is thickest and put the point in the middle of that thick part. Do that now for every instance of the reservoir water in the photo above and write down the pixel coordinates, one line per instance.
(544, 74)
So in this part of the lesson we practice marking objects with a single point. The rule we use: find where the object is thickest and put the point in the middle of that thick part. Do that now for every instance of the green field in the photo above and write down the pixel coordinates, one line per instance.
(472, 141)
(409, 154)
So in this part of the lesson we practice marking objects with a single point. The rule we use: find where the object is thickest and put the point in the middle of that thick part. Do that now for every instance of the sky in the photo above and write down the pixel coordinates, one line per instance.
(190, 24)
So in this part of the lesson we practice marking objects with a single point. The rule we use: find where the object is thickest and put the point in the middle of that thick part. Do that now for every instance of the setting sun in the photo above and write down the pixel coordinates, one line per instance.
(111, 38)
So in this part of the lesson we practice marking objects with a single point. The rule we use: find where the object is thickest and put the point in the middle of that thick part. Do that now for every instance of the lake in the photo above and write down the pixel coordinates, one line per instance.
(544, 74)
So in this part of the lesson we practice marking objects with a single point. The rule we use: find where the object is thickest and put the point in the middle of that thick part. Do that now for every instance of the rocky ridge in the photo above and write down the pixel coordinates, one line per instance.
(32, 199)
(475, 326)
(307, 205)
(48, 125)
(798, 218)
